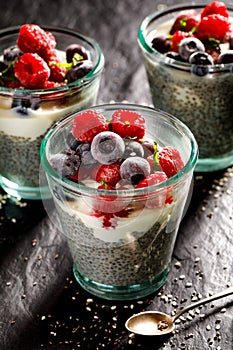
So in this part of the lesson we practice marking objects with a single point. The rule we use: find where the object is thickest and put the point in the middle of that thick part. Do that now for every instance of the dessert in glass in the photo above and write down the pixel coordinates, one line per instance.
(187, 51)
(45, 74)
(120, 176)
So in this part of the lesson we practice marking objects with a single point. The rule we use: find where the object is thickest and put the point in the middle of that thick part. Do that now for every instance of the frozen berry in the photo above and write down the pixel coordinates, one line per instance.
(31, 70)
(134, 169)
(132, 148)
(176, 39)
(128, 123)
(109, 174)
(214, 26)
(215, 7)
(170, 160)
(87, 124)
(107, 147)
(73, 49)
(188, 46)
(200, 63)
(66, 163)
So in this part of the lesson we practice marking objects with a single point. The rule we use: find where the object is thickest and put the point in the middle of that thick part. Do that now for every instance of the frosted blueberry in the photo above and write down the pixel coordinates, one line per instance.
(134, 169)
(107, 147)
(188, 46)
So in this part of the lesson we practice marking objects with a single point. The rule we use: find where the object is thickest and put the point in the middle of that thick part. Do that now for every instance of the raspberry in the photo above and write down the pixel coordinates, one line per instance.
(215, 7)
(214, 26)
(87, 124)
(192, 23)
(51, 85)
(128, 124)
(153, 179)
(181, 19)
(109, 174)
(57, 72)
(34, 39)
(177, 37)
(170, 161)
(32, 71)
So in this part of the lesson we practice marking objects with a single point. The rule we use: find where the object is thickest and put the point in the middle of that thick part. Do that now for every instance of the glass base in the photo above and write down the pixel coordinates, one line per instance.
(214, 164)
(136, 291)
(34, 193)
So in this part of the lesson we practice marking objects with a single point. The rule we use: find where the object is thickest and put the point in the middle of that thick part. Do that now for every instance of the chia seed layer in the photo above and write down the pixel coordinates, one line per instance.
(121, 263)
(204, 104)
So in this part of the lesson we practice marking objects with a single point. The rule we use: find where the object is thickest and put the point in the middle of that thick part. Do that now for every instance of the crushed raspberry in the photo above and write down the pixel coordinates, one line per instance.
(32, 71)
(34, 39)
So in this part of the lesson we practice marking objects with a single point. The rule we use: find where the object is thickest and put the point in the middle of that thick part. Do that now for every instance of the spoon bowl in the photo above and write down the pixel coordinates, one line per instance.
(158, 323)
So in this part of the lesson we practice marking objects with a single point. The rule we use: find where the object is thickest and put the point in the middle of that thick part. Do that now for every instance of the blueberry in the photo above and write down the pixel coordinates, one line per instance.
(174, 55)
(72, 142)
(78, 71)
(11, 54)
(226, 57)
(107, 147)
(84, 152)
(76, 48)
(65, 163)
(161, 43)
(134, 169)
(132, 148)
(22, 105)
(149, 147)
(201, 62)
(188, 46)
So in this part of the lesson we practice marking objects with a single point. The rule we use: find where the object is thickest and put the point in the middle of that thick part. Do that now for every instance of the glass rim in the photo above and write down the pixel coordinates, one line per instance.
(96, 70)
(142, 30)
(77, 187)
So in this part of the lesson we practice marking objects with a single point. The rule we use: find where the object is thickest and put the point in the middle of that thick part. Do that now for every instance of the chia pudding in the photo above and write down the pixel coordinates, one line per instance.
(199, 93)
(119, 204)
(28, 108)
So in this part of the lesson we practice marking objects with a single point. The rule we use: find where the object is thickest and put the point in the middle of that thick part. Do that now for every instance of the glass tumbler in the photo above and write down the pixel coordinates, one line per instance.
(26, 115)
(203, 103)
(121, 240)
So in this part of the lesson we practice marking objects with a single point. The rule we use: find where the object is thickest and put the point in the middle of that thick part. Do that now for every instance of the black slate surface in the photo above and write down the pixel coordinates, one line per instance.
(42, 306)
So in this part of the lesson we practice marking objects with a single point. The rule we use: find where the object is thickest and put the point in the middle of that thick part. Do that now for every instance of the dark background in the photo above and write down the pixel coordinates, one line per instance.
(42, 307)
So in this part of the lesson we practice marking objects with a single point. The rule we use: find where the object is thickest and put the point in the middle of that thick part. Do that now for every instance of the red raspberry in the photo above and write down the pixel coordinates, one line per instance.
(128, 124)
(109, 174)
(87, 124)
(181, 19)
(214, 26)
(51, 85)
(57, 72)
(192, 23)
(217, 7)
(34, 39)
(11, 84)
(153, 179)
(177, 37)
(32, 71)
(170, 161)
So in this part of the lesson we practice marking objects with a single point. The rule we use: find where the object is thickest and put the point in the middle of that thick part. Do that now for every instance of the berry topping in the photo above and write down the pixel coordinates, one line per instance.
(77, 49)
(107, 147)
(79, 70)
(109, 174)
(134, 169)
(132, 148)
(66, 163)
(56, 65)
(32, 71)
(176, 39)
(170, 161)
(11, 54)
(215, 7)
(161, 43)
(201, 58)
(226, 57)
(188, 46)
(87, 124)
(180, 22)
(34, 39)
(153, 179)
(128, 124)
(214, 26)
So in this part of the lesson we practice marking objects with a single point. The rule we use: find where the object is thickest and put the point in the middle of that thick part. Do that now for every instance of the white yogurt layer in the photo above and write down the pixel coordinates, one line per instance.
(139, 220)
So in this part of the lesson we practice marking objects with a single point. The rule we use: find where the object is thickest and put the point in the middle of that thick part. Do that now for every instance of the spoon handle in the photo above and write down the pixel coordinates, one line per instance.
(219, 295)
